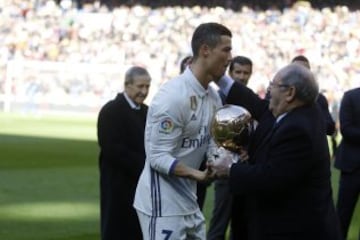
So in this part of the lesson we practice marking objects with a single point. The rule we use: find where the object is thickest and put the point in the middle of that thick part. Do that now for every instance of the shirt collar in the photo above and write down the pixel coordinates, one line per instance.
(225, 83)
(131, 102)
(278, 119)
(194, 83)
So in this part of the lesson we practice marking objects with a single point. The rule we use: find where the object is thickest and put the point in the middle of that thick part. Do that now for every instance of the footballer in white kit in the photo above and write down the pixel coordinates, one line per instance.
(177, 130)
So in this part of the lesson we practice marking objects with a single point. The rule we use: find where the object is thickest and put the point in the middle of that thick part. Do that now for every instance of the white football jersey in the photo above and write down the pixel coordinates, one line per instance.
(177, 129)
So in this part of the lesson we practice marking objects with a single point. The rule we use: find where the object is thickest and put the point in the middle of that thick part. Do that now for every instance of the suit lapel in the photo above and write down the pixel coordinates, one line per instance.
(261, 133)
(263, 144)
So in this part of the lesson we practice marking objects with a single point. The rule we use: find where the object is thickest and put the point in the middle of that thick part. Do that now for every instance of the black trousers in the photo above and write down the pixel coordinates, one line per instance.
(349, 190)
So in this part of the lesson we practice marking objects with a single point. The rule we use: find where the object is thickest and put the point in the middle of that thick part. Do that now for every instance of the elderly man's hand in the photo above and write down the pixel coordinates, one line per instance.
(221, 166)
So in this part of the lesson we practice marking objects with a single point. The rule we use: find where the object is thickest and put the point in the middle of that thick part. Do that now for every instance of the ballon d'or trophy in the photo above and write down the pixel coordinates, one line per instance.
(228, 125)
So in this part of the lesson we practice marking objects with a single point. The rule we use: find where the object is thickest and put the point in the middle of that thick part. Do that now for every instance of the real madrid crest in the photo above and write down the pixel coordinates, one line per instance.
(193, 103)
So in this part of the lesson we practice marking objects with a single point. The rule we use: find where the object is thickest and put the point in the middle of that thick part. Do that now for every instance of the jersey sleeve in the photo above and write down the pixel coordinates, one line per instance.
(165, 125)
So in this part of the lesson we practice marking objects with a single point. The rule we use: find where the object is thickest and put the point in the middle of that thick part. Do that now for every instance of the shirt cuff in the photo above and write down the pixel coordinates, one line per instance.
(172, 167)
(225, 83)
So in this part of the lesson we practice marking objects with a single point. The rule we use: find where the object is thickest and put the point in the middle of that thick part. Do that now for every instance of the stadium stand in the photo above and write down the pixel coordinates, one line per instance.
(45, 44)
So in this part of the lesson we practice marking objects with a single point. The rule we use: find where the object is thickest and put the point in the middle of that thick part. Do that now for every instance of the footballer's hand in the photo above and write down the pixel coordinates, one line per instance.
(207, 176)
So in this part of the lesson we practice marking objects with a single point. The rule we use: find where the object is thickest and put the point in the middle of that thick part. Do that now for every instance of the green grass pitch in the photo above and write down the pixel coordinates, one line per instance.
(49, 180)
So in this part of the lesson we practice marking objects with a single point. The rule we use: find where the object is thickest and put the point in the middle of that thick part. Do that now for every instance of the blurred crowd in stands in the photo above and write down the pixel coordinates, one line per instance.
(158, 38)
(229, 4)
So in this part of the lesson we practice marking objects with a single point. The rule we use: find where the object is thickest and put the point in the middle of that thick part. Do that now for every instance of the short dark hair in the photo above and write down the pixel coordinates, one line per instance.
(301, 58)
(184, 63)
(132, 72)
(208, 33)
(242, 60)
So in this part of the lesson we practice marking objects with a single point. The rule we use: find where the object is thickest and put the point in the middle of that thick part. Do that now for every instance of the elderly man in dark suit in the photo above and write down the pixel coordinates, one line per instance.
(348, 158)
(287, 179)
(121, 125)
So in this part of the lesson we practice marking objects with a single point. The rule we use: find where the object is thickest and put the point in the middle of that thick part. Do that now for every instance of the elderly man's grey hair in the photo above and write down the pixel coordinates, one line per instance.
(132, 72)
(307, 88)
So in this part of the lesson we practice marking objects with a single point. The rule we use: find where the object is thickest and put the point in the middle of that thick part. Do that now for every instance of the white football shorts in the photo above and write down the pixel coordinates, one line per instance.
(187, 227)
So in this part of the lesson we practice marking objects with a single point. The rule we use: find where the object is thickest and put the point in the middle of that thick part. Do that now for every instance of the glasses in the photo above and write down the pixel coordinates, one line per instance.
(279, 85)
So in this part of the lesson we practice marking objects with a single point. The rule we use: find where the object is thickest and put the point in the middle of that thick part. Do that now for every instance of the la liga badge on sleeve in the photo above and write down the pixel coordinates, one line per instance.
(166, 126)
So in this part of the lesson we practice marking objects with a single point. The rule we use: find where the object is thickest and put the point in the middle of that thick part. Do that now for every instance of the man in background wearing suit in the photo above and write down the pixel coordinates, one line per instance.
(287, 179)
(240, 70)
(348, 158)
(121, 125)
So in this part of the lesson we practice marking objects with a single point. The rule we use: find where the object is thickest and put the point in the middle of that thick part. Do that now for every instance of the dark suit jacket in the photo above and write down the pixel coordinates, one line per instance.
(245, 97)
(324, 107)
(347, 158)
(121, 160)
(287, 182)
